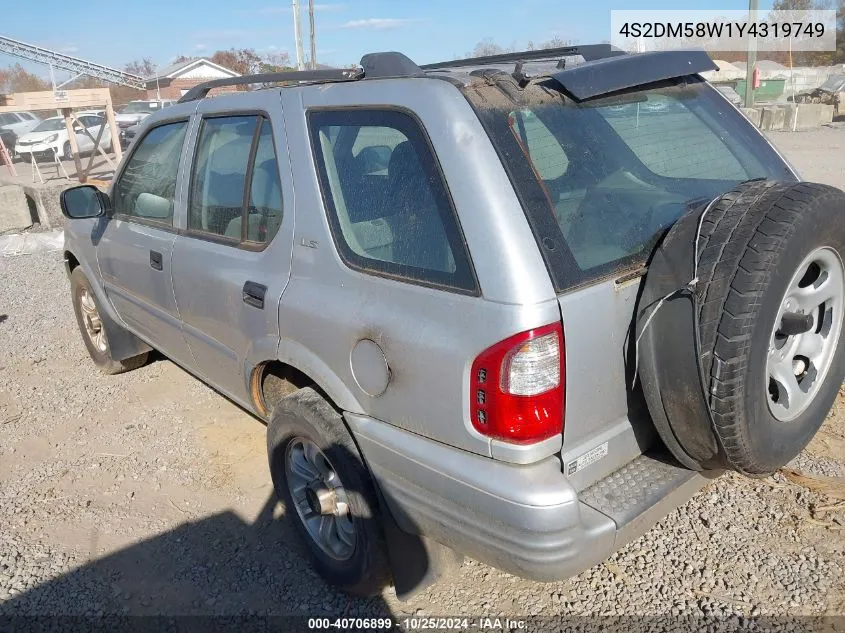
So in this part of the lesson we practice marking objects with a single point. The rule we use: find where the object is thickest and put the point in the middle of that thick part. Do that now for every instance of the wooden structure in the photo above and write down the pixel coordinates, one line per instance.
(66, 101)
(6, 159)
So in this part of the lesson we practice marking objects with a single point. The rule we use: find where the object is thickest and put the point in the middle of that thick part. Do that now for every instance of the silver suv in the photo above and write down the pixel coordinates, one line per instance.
(430, 282)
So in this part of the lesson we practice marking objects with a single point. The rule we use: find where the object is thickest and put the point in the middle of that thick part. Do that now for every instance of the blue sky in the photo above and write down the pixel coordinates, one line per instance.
(426, 30)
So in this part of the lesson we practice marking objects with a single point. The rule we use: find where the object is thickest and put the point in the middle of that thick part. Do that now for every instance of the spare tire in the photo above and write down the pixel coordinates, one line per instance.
(740, 352)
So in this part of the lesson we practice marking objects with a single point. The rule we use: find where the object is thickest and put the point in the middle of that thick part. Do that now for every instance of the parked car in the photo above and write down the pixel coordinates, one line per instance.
(136, 111)
(127, 135)
(831, 92)
(459, 330)
(9, 139)
(50, 137)
(19, 122)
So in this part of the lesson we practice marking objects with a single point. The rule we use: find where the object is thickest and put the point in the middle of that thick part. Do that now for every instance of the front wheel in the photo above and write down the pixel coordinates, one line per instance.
(93, 329)
(318, 473)
(67, 152)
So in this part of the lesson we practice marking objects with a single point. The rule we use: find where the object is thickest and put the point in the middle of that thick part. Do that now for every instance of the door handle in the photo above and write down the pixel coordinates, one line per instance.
(253, 294)
(155, 260)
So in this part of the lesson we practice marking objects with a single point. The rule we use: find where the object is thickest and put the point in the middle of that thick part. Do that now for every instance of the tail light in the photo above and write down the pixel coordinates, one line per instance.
(517, 387)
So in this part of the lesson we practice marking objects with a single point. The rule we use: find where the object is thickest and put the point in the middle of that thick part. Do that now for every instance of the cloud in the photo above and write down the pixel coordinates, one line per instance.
(70, 48)
(200, 47)
(378, 24)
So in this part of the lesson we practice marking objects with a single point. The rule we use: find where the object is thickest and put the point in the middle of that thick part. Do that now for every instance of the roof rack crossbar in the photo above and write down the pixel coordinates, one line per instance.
(331, 74)
(589, 52)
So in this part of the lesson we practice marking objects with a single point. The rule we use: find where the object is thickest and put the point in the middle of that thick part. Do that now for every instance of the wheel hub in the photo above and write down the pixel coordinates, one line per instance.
(92, 321)
(806, 334)
(319, 499)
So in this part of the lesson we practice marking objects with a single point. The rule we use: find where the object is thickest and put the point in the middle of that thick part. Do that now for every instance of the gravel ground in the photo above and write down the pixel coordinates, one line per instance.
(147, 493)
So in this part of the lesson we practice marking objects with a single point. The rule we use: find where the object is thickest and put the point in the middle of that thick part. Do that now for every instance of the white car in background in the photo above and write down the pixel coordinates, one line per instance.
(136, 111)
(50, 137)
(19, 122)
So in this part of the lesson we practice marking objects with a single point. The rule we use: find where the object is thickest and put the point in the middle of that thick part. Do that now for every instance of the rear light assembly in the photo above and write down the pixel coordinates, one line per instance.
(517, 387)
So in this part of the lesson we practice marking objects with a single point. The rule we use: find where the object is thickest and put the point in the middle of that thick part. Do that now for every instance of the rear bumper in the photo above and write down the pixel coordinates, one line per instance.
(526, 520)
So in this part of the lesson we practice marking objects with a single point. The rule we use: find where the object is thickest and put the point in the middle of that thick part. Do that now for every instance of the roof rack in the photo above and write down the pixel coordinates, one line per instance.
(329, 74)
(589, 52)
(392, 64)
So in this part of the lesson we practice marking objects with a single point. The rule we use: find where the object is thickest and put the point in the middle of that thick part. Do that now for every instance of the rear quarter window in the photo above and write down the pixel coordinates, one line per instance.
(387, 203)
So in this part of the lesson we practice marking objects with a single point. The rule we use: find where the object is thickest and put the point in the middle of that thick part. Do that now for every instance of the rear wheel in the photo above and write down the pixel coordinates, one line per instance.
(93, 329)
(318, 473)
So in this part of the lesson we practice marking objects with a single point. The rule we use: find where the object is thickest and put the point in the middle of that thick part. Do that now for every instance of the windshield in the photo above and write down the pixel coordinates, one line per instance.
(138, 107)
(606, 178)
(50, 125)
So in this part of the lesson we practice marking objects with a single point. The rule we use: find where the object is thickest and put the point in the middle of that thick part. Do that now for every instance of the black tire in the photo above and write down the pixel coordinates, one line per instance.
(305, 414)
(752, 243)
(102, 358)
(67, 152)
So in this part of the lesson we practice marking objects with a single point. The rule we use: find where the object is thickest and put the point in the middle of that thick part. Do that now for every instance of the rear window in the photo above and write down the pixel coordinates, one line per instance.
(601, 181)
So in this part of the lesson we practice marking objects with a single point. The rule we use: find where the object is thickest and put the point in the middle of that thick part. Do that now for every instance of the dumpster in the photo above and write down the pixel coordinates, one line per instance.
(769, 90)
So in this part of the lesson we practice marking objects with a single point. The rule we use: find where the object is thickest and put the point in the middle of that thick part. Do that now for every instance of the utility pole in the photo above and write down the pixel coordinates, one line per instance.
(297, 34)
(752, 57)
(313, 41)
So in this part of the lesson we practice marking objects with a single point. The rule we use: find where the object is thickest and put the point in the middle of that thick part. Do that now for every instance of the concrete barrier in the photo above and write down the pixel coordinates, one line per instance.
(789, 117)
(753, 115)
(14, 210)
(42, 199)
(46, 199)
(813, 115)
(772, 118)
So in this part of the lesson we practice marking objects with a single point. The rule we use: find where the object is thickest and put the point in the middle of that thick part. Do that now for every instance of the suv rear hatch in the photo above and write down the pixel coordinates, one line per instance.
(601, 180)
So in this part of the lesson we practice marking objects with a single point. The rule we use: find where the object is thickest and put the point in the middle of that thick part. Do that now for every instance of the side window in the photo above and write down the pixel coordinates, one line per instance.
(265, 191)
(219, 175)
(147, 186)
(386, 199)
(228, 199)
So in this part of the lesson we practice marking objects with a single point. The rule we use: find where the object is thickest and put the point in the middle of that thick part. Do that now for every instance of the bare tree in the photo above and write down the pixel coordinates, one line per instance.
(141, 67)
(488, 47)
(555, 42)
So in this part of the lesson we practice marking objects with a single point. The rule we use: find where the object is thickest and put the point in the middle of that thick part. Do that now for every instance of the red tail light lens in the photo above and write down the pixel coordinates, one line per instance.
(517, 387)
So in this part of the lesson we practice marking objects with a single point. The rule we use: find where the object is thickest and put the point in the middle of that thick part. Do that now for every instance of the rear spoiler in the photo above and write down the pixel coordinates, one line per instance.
(612, 74)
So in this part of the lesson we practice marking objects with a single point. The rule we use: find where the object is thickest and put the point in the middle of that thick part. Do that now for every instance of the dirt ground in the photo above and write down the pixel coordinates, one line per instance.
(149, 493)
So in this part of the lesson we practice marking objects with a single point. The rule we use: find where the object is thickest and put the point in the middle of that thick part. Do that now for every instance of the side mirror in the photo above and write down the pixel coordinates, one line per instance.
(85, 201)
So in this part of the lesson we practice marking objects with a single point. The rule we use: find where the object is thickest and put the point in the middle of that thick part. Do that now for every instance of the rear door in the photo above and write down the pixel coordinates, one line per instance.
(232, 261)
(134, 245)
